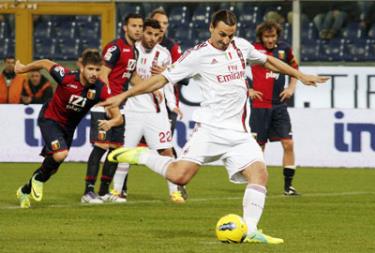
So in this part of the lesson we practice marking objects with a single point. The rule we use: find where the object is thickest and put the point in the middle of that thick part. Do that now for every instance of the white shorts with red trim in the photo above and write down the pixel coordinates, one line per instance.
(236, 149)
(154, 127)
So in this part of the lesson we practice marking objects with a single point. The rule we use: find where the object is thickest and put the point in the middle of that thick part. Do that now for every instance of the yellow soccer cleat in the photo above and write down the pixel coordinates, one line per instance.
(36, 189)
(259, 237)
(23, 198)
(126, 155)
(176, 197)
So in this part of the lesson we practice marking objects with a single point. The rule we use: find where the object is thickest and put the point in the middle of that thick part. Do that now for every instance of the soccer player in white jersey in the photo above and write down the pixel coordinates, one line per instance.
(220, 134)
(146, 115)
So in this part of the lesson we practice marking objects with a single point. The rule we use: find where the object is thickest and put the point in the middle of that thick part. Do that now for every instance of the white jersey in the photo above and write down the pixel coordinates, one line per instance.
(148, 102)
(221, 78)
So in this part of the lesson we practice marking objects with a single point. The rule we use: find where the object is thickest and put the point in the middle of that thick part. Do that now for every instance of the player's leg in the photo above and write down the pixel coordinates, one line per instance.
(57, 143)
(245, 164)
(289, 167)
(178, 171)
(281, 130)
(99, 138)
(109, 168)
(133, 134)
(260, 120)
(158, 137)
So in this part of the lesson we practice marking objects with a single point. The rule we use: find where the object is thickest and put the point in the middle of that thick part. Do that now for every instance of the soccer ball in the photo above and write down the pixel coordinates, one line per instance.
(231, 228)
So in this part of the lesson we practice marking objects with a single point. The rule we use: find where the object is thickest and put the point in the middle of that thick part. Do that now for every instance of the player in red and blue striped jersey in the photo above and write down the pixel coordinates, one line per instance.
(76, 93)
(120, 57)
(269, 118)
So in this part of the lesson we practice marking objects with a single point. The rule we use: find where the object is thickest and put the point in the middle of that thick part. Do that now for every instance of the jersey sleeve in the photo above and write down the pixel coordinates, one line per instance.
(254, 56)
(111, 54)
(105, 92)
(187, 66)
(176, 52)
(291, 60)
(58, 73)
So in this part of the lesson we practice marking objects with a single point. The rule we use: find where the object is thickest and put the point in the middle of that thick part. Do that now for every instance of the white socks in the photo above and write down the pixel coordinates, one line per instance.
(156, 162)
(119, 178)
(253, 203)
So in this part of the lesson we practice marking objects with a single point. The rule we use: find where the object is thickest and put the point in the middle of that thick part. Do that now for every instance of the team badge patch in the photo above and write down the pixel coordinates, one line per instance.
(281, 54)
(101, 135)
(91, 94)
(55, 145)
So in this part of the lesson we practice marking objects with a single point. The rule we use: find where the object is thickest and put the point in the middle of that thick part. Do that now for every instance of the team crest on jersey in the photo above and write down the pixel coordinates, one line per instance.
(91, 94)
(281, 54)
(101, 135)
(55, 145)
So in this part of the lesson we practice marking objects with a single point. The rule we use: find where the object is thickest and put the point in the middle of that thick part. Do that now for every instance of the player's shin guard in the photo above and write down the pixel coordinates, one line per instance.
(253, 204)
(93, 165)
(109, 169)
(120, 176)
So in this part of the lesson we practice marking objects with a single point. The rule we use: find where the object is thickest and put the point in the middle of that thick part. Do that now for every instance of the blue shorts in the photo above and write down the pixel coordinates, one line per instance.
(56, 137)
(271, 124)
(114, 136)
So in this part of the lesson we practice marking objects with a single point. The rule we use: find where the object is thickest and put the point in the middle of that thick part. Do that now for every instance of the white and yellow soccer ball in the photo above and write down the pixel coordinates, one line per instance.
(231, 228)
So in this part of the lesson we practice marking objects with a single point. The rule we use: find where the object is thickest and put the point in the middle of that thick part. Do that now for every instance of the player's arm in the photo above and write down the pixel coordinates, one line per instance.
(276, 65)
(104, 73)
(116, 119)
(145, 86)
(20, 68)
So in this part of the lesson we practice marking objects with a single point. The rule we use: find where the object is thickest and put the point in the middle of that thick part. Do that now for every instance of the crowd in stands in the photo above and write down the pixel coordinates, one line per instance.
(19, 89)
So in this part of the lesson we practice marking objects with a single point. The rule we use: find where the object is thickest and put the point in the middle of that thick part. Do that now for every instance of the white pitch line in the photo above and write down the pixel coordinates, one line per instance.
(328, 194)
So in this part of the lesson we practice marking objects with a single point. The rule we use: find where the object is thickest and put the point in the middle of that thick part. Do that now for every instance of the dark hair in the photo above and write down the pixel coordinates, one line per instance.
(91, 57)
(226, 16)
(267, 26)
(132, 15)
(158, 11)
(151, 23)
(7, 57)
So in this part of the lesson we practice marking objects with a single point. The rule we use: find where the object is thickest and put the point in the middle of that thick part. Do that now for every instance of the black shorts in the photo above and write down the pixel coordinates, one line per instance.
(271, 124)
(114, 136)
(56, 137)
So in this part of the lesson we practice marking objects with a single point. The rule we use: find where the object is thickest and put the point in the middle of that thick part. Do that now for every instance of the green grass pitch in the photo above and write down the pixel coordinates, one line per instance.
(336, 213)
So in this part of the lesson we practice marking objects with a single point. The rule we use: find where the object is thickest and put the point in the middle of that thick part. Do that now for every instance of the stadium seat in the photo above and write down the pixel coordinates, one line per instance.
(124, 9)
(310, 51)
(4, 30)
(182, 33)
(67, 49)
(309, 32)
(66, 30)
(353, 32)
(286, 35)
(371, 32)
(201, 16)
(44, 49)
(43, 30)
(358, 51)
(332, 50)
(83, 44)
(178, 16)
